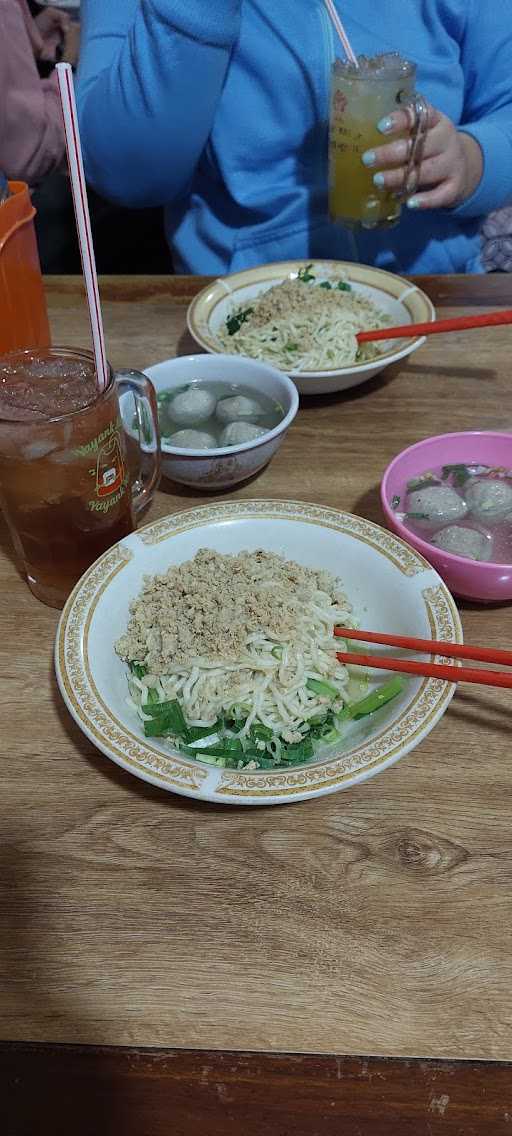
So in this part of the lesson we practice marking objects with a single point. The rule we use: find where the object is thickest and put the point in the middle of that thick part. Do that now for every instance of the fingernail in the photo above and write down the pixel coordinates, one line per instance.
(385, 125)
(413, 203)
(368, 158)
(378, 179)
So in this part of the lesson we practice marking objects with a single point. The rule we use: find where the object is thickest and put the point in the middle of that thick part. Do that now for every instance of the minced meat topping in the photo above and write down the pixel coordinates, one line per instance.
(207, 607)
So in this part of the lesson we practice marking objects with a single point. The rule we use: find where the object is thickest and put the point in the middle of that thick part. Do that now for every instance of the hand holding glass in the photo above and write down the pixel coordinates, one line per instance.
(360, 98)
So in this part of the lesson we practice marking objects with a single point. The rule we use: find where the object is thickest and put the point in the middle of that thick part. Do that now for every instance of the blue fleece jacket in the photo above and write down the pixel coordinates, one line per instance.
(218, 110)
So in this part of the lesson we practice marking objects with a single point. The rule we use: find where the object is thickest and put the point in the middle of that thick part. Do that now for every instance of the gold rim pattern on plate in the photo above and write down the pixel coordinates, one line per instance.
(401, 555)
(137, 754)
(416, 302)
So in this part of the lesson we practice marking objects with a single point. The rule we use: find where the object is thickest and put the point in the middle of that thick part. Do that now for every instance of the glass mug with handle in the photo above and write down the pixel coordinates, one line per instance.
(360, 98)
(69, 486)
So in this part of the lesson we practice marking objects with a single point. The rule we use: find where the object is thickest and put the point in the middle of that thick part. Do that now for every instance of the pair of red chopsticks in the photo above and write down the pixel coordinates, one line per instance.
(435, 327)
(447, 672)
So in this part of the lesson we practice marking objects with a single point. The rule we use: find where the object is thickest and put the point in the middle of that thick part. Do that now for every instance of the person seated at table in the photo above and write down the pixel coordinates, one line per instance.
(219, 111)
(32, 149)
(31, 130)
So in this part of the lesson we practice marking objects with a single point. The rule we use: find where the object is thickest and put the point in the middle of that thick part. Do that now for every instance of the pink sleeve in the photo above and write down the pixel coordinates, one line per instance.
(31, 130)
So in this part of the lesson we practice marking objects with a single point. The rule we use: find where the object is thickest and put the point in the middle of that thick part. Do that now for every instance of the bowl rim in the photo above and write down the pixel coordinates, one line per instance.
(242, 447)
(286, 269)
(487, 567)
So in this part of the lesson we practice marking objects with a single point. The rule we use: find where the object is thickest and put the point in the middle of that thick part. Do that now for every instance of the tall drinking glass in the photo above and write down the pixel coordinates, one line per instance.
(66, 486)
(23, 314)
(360, 97)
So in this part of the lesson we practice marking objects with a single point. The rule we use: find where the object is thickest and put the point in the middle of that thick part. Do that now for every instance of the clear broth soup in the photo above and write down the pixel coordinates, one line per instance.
(462, 508)
(209, 408)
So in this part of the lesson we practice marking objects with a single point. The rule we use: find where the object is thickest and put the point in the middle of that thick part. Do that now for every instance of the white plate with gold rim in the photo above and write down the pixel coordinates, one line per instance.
(390, 586)
(402, 301)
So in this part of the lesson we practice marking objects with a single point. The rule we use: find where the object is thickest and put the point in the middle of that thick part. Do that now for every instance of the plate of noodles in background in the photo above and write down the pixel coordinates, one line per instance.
(199, 652)
(303, 317)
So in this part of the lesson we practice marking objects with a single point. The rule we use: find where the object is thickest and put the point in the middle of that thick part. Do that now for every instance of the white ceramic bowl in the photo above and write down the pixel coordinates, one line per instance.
(404, 303)
(391, 587)
(219, 468)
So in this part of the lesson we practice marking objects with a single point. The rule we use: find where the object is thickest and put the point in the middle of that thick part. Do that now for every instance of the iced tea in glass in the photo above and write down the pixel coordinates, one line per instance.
(360, 97)
(65, 483)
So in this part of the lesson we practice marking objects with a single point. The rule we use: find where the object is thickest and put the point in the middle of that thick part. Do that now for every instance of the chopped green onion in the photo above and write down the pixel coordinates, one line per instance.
(232, 745)
(138, 669)
(324, 689)
(207, 742)
(222, 761)
(238, 712)
(209, 759)
(343, 286)
(277, 652)
(305, 275)
(325, 729)
(325, 284)
(423, 483)
(158, 709)
(155, 728)
(168, 719)
(261, 733)
(235, 321)
(298, 751)
(459, 472)
(251, 754)
(196, 732)
(221, 748)
(373, 701)
(329, 734)
(318, 720)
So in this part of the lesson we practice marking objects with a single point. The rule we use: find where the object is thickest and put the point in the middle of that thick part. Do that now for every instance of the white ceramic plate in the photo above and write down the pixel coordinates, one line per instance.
(403, 301)
(391, 588)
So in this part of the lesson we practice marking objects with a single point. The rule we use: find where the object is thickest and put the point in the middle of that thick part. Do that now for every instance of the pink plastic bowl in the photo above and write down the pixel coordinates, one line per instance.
(469, 579)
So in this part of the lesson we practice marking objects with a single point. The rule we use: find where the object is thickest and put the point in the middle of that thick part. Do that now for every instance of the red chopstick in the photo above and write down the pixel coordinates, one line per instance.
(435, 327)
(446, 671)
(430, 670)
(430, 646)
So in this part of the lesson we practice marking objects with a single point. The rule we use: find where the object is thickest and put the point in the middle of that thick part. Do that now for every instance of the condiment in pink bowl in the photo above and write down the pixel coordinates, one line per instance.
(484, 581)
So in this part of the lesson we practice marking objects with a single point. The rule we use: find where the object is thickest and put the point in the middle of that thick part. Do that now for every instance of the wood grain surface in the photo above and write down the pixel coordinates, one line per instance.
(59, 1090)
(375, 921)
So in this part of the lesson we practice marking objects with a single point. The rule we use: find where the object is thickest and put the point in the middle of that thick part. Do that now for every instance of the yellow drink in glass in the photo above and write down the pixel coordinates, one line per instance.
(360, 97)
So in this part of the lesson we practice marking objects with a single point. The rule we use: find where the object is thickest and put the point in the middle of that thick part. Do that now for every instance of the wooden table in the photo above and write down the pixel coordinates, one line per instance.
(372, 922)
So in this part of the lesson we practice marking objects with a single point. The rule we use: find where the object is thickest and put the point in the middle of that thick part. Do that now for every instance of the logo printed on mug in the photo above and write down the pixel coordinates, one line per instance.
(340, 102)
(109, 467)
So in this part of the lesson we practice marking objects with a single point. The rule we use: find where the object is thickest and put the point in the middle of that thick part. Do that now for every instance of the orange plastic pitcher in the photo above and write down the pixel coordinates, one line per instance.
(23, 314)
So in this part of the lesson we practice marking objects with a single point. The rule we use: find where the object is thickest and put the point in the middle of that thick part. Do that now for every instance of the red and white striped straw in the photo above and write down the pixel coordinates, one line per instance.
(83, 221)
(341, 32)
